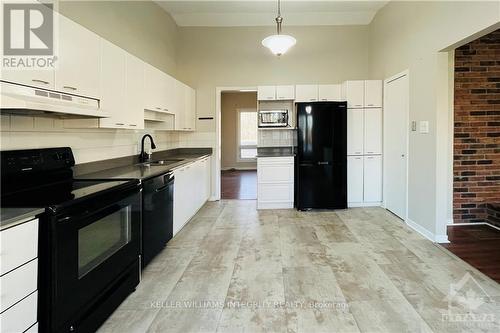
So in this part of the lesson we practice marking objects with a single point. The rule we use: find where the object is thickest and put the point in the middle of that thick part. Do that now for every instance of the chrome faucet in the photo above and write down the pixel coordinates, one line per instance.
(145, 157)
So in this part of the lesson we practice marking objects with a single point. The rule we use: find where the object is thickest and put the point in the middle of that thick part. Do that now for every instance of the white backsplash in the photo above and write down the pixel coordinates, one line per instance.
(277, 138)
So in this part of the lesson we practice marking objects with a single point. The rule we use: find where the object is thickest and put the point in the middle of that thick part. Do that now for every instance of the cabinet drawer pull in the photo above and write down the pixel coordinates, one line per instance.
(119, 124)
(132, 125)
(40, 81)
(157, 108)
(165, 109)
(70, 88)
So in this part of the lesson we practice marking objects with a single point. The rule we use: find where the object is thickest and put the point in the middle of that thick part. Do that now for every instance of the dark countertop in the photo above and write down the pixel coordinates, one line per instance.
(134, 170)
(10, 217)
(275, 151)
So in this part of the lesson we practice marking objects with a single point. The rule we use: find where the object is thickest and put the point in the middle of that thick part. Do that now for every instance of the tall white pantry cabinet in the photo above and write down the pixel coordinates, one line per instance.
(364, 142)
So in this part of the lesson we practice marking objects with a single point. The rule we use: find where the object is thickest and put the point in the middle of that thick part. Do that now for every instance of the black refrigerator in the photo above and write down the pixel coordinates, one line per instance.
(321, 166)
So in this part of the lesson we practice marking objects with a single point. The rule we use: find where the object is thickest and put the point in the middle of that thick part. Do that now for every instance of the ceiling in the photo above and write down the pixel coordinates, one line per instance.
(224, 13)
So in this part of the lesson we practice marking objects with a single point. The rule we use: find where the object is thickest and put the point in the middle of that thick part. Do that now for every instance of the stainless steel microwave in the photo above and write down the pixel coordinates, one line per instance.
(273, 118)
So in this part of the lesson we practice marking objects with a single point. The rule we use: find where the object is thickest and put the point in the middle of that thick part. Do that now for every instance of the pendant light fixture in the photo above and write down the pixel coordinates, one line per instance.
(279, 44)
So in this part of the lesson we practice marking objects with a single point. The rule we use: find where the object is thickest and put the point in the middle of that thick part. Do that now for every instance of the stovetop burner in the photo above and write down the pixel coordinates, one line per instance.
(43, 178)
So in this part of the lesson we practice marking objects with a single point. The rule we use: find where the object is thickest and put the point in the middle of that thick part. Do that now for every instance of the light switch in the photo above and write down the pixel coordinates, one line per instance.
(413, 126)
(424, 126)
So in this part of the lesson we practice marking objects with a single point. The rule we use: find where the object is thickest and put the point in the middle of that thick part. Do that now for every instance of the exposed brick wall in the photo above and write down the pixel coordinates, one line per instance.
(477, 128)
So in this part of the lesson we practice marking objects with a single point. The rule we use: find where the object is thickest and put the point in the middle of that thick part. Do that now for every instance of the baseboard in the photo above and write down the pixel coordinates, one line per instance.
(363, 204)
(441, 239)
(426, 233)
(274, 205)
(473, 223)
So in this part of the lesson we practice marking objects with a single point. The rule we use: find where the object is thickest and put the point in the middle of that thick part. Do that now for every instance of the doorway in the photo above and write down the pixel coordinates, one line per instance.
(396, 144)
(239, 145)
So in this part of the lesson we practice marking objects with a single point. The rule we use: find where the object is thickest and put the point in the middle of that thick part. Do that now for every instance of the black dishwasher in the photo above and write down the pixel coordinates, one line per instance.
(157, 215)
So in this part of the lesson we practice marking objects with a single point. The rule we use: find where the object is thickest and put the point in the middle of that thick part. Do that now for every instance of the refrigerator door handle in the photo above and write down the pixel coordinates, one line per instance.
(324, 163)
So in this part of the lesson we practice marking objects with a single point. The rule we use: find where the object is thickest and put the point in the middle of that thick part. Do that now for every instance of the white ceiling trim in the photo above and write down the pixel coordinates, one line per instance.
(254, 19)
(220, 13)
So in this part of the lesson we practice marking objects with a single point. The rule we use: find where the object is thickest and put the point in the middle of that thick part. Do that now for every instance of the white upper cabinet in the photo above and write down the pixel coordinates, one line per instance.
(373, 131)
(285, 92)
(354, 92)
(266, 93)
(134, 92)
(329, 92)
(373, 93)
(306, 93)
(355, 131)
(190, 108)
(154, 87)
(113, 85)
(36, 78)
(79, 60)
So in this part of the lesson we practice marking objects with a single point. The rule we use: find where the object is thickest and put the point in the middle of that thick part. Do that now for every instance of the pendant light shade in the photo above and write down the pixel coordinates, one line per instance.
(279, 44)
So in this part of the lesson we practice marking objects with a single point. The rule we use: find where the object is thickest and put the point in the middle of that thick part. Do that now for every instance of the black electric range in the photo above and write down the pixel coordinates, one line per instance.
(89, 236)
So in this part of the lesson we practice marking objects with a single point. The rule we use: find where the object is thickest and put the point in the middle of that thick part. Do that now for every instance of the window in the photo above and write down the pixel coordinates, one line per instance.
(247, 134)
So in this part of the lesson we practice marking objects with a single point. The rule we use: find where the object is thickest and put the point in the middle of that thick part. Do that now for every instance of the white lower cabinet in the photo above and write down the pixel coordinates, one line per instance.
(355, 179)
(275, 182)
(191, 191)
(372, 187)
(364, 180)
(19, 277)
(21, 315)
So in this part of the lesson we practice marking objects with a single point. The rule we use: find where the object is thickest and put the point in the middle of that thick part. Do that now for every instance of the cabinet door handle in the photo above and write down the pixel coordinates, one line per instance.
(70, 88)
(40, 81)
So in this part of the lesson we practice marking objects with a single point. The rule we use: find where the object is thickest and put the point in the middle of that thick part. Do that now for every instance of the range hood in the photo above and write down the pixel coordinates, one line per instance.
(25, 100)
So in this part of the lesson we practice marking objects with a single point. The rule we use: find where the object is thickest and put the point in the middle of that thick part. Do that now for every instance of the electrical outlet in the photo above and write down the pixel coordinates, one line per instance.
(424, 127)
(413, 126)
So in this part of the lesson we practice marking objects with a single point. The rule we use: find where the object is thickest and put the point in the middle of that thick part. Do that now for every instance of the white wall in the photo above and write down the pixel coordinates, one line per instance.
(409, 35)
(221, 57)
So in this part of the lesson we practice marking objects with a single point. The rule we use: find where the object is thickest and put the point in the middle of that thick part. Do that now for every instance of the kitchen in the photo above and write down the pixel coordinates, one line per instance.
(111, 171)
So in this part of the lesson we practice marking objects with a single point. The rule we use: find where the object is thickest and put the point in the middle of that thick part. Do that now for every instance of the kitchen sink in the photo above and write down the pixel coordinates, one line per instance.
(163, 162)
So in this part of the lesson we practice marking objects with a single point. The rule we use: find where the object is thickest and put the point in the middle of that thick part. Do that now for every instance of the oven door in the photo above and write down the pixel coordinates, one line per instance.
(95, 243)
(273, 118)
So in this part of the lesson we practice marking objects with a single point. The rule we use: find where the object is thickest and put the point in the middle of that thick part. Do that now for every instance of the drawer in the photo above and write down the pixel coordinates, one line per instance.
(275, 160)
(18, 245)
(18, 284)
(21, 316)
(275, 192)
(275, 173)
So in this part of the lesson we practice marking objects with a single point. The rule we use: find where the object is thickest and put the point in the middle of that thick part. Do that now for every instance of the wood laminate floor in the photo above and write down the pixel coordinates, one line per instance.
(239, 184)
(479, 245)
(235, 269)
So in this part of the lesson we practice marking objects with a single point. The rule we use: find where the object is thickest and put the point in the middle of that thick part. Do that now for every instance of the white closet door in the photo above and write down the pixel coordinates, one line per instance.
(355, 131)
(373, 132)
(395, 147)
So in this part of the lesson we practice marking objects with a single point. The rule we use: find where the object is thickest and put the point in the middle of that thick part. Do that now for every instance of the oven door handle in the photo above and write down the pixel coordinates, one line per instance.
(85, 214)
(163, 188)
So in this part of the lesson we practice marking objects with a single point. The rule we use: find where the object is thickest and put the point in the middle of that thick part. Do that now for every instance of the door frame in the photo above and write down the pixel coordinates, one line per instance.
(218, 132)
(407, 127)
